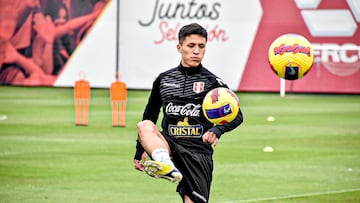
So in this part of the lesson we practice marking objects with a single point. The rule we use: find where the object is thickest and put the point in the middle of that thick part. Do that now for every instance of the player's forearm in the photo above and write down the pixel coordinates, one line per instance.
(139, 150)
(154, 104)
(221, 129)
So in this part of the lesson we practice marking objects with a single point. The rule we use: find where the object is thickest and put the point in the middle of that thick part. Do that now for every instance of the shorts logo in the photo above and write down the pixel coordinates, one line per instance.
(184, 129)
(198, 87)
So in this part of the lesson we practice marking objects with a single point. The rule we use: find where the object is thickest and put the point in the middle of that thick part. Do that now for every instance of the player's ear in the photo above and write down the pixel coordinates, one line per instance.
(178, 47)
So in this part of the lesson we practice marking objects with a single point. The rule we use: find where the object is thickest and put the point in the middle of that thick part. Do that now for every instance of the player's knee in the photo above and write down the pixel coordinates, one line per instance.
(145, 125)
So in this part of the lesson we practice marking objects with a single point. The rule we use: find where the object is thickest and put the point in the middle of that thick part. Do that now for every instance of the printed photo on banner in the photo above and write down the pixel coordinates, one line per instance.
(37, 37)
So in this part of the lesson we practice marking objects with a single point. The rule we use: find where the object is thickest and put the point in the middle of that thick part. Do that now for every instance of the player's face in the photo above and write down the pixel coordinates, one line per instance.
(192, 50)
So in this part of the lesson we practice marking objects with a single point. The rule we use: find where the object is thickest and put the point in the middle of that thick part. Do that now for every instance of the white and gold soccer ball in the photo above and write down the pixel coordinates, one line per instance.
(291, 56)
(220, 105)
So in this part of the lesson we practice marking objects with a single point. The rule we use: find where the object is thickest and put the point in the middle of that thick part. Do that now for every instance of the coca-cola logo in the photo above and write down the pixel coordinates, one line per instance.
(189, 109)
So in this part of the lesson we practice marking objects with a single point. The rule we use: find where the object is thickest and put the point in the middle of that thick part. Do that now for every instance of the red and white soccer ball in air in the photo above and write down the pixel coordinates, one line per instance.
(291, 56)
(220, 105)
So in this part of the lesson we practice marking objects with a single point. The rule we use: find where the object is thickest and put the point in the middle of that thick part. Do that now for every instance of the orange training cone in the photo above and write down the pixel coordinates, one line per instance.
(118, 99)
(82, 101)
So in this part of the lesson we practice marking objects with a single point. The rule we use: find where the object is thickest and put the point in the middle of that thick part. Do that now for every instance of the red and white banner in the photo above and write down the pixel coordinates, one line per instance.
(333, 27)
(39, 38)
(148, 36)
(240, 33)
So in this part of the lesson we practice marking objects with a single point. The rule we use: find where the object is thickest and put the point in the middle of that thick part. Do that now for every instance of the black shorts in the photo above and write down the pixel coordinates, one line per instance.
(196, 169)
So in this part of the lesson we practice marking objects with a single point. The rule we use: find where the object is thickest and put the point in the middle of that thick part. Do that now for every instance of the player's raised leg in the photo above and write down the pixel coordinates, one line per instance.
(155, 144)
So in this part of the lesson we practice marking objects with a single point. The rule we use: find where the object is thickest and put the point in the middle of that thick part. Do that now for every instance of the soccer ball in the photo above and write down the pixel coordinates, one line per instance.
(220, 105)
(291, 56)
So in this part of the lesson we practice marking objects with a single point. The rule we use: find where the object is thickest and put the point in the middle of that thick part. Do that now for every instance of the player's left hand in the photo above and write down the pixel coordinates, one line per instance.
(139, 164)
(210, 137)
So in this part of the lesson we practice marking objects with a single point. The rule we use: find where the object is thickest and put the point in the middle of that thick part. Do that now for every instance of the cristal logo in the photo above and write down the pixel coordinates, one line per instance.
(183, 110)
(339, 59)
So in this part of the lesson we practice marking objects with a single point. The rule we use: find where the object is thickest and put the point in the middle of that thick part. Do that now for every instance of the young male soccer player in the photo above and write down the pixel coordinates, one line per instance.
(182, 151)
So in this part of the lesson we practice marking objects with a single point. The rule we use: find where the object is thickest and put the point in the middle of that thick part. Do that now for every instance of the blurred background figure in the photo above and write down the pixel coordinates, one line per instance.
(16, 65)
(65, 27)
(38, 37)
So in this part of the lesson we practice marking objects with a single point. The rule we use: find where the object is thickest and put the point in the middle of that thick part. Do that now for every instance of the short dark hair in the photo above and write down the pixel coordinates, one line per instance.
(189, 29)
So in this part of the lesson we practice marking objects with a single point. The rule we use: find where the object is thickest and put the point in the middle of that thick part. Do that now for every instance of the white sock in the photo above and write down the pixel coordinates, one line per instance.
(162, 155)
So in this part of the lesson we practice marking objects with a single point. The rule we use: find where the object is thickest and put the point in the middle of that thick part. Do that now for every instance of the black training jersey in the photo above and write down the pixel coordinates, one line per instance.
(180, 92)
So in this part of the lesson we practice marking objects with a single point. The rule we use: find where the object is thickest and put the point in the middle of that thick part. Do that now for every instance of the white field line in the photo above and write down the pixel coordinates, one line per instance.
(294, 196)
(55, 139)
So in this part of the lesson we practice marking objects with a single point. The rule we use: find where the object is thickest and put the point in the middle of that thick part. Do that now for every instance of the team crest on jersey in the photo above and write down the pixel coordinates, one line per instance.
(198, 87)
(184, 129)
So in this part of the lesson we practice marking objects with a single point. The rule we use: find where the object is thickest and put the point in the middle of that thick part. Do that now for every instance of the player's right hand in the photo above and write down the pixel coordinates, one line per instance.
(139, 164)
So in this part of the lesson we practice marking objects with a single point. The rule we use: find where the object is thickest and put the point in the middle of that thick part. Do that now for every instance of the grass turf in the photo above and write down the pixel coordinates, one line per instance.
(44, 157)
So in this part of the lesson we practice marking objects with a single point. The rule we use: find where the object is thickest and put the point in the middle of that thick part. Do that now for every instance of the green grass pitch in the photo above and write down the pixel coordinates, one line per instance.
(44, 157)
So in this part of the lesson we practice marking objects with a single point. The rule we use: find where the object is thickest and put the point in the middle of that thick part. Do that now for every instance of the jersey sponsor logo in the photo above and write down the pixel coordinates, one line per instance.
(189, 109)
(184, 129)
(198, 87)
